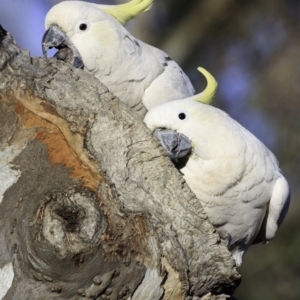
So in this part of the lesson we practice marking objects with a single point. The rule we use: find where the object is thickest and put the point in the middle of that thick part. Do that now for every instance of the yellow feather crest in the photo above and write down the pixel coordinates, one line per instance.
(127, 11)
(207, 95)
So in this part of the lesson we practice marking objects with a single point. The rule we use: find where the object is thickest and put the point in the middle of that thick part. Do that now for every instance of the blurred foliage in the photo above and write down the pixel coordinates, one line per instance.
(252, 48)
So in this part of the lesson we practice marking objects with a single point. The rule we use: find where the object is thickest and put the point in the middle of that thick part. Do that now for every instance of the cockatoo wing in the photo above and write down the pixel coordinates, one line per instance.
(171, 84)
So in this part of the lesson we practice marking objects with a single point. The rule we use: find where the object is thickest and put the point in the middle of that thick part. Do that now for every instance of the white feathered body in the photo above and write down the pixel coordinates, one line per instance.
(236, 178)
(140, 75)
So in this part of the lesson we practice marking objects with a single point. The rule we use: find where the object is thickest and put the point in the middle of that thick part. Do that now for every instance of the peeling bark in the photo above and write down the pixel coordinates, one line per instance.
(90, 206)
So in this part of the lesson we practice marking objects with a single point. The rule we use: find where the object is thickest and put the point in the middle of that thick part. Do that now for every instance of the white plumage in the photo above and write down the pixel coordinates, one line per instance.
(140, 75)
(236, 178)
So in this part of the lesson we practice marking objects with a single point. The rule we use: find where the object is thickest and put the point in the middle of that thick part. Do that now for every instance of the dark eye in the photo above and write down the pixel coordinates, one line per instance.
(83, 26)
(182, 116)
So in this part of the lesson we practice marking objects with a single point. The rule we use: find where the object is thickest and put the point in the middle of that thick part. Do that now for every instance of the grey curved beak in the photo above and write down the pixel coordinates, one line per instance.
(176, 144)
(54, 37)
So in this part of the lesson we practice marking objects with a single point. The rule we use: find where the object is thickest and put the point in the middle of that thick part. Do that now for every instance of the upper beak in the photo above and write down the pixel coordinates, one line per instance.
(55, 38)
(176, 144)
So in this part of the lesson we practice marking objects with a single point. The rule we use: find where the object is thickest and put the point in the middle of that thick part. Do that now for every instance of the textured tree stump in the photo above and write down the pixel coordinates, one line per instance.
(90, 206)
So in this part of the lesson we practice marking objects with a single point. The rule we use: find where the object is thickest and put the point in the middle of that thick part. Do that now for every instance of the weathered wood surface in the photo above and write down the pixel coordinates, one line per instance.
(90, 207)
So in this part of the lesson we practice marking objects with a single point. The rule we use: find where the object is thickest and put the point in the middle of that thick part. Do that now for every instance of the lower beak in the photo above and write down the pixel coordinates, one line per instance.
(176, 144)
(55, 38)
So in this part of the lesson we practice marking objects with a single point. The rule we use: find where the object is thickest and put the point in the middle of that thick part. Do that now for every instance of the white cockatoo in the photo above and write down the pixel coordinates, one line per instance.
(93, 37)
(235, 177)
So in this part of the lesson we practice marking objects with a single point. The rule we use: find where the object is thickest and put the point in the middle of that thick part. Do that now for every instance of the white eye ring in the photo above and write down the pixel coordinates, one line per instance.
(83, 26)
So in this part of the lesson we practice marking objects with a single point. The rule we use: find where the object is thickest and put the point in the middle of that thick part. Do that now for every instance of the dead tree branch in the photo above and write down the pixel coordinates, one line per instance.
(90, 206)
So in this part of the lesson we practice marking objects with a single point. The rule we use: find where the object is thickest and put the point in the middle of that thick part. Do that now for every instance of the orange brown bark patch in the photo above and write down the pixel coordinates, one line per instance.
(19, 109)
(141, 225)
(48, 113)
(58, 148)
(60, 152)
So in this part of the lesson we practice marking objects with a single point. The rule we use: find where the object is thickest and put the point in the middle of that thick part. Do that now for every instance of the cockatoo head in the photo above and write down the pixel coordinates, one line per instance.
(81, 30)
(177, 123)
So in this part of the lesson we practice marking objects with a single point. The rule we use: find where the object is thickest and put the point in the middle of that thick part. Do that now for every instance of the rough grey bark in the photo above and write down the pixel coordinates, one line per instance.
(90, 206)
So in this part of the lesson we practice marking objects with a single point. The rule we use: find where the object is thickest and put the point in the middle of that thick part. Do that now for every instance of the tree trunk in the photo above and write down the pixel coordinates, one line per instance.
(90, 206)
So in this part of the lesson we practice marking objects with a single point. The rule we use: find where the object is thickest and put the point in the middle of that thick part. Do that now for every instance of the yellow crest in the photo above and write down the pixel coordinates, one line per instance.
(207, 95)
(127, 11)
